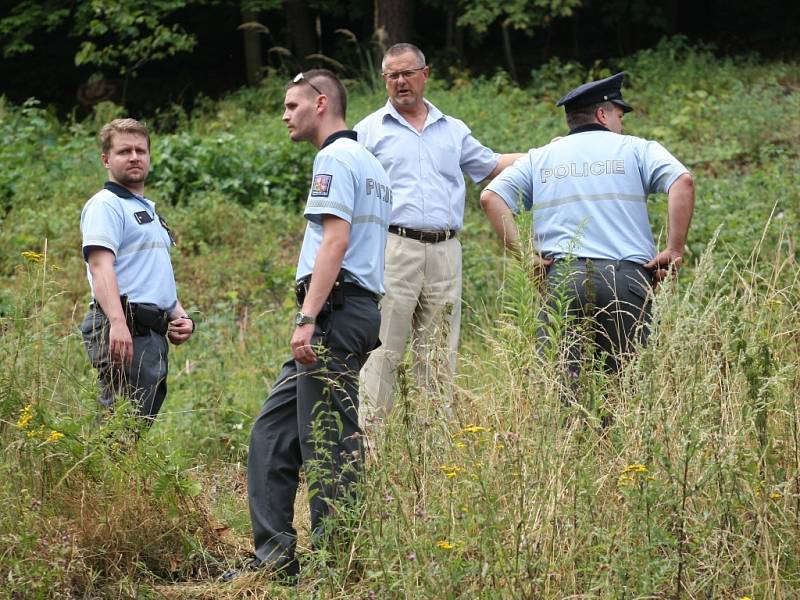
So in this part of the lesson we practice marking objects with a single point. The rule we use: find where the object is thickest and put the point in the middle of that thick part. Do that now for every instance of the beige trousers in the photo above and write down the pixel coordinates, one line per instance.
(423, 299)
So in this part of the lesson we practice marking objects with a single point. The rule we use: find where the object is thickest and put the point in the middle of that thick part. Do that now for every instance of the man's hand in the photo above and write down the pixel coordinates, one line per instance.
(180, 330)
(661, 262)
(537, 268)
(301, 344)
(120, 343)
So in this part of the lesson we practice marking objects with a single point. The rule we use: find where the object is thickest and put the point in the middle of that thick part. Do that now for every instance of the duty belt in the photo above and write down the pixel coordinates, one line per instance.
(602, 263)
(340, 290)
(141, 318)
(427, 237)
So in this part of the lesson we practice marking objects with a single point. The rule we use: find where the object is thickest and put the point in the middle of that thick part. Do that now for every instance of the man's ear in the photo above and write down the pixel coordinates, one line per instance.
(104, 159)
(600, 115)
(322, 103)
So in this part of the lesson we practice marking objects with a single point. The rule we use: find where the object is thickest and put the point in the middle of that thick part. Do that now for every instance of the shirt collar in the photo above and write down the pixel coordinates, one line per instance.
(118, 190)
(434, 114)
(344, 133)
(124, 193)
(589, 127)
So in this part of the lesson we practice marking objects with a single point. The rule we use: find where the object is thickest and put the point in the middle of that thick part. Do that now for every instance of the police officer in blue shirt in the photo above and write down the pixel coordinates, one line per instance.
(588, 193)
(135, 307)
(310, 418)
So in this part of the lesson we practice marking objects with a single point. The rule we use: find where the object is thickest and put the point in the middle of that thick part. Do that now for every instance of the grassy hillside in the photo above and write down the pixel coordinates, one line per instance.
(692, 491)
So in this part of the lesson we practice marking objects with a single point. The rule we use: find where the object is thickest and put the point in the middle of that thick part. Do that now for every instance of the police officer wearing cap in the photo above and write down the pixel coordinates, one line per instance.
(588, 192)
(310, 419)
(426, 154)
(135, 308)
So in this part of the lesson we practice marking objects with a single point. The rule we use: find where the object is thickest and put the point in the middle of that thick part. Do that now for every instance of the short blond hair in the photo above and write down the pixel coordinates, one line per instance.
(121, 126)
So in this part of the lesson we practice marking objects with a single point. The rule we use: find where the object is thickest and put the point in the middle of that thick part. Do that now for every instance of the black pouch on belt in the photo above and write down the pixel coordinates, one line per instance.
(151, 317)
(142, 318)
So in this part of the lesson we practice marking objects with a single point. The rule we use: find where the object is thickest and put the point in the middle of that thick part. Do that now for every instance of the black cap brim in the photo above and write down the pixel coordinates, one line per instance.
(626, 108)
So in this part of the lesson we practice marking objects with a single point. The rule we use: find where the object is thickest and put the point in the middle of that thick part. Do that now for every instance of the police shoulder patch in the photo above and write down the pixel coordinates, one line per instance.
(321, 185)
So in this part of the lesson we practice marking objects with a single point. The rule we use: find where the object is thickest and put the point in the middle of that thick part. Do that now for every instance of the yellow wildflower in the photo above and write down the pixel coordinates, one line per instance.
(499, 446)
(35, 257)
(451, 471)
(776, 495)
(745, 598)
(54, 437)
(33, 433)
(635, 468)
(25, 417)
(444, 545)
(472, 429)
(625, 480)
(461, 445)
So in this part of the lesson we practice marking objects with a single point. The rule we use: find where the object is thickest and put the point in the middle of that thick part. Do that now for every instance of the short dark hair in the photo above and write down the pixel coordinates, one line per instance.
(585, 114)
(121, 126)
(328, 83)
(402, 48)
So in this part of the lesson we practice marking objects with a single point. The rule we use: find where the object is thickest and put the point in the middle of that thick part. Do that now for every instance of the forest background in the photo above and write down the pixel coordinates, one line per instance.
(691, 488)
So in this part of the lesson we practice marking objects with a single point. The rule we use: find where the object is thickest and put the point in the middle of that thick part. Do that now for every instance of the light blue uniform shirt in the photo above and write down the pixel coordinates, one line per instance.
(349, 183)
(141, 249)
(426, 167)
(588, 193)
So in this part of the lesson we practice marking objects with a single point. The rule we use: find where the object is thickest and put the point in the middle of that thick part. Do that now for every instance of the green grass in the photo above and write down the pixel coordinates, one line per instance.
(691, 491)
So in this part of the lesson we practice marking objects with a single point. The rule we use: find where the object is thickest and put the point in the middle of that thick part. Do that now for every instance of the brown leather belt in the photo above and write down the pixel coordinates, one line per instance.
(427, 237)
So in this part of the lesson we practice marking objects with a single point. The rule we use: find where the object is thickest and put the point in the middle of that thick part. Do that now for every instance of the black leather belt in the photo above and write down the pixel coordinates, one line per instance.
(600, 263)
(427, 237)
(606, 262)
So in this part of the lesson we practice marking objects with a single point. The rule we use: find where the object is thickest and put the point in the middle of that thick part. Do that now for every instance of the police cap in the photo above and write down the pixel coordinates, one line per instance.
(595, 92)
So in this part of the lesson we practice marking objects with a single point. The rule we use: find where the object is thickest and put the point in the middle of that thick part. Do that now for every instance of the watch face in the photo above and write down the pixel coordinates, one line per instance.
(301, 319)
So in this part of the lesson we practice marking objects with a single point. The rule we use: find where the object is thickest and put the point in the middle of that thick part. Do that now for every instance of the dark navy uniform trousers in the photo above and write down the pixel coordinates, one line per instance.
(310, 420)
(607, 300)
(144, 381)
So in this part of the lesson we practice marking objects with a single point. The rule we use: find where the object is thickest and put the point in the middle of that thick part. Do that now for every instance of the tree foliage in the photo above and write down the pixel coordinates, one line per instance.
(525, 15)
(112, 33)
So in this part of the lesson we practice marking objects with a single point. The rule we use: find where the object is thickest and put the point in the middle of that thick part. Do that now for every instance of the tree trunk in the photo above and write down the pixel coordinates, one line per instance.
(393, 20)
(302, 41)
(512, 69)
(252, 49)
(454, 35)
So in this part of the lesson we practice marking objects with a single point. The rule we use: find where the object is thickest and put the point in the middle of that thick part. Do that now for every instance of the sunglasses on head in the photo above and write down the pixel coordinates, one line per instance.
(299, 77)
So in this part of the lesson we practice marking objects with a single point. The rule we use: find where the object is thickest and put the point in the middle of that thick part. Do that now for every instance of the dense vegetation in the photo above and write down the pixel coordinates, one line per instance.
(693, 490)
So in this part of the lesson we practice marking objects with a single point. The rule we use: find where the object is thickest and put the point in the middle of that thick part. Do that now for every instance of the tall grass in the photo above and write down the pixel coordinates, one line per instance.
(680, 477)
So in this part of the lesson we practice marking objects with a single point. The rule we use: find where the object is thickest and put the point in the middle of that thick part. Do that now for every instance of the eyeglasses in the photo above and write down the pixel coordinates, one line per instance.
(394, 76)
(299, 77)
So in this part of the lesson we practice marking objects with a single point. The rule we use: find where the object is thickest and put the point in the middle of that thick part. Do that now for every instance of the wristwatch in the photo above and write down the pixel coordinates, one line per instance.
(301, 319)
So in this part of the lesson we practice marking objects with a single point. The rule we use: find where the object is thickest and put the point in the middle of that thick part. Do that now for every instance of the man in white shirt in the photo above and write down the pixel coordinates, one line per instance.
(425, 154)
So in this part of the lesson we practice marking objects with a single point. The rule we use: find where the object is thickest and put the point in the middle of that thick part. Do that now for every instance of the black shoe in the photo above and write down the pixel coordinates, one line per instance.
(254, 564)
(284, 571)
